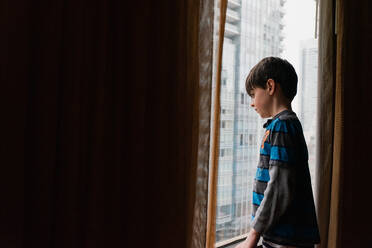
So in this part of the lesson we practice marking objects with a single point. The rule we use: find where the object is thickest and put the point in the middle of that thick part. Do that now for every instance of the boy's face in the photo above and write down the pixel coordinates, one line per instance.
(262, 101)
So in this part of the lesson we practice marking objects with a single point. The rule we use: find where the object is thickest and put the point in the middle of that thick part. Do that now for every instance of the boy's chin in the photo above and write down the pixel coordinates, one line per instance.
(264, 116)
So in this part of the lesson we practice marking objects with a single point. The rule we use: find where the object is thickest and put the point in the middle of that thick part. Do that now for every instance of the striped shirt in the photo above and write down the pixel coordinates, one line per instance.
(283, 204)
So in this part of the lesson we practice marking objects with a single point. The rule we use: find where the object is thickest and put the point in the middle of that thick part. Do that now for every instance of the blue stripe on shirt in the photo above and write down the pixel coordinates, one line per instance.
(257, 198)
(262, 175)
(278, 126)
(266, 149)
(279, 153)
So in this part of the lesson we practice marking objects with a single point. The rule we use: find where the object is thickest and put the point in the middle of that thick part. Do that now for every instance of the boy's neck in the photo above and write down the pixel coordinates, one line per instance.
(279, 108)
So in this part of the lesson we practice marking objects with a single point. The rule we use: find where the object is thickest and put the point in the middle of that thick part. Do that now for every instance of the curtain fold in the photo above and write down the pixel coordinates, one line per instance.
(326, 106)
(349, 216)
(354, 39)
(202, 113)
(337, 172)
(215, 124)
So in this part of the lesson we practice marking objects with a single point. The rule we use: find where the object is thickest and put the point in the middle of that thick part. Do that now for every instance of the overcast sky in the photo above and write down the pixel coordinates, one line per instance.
(299, 21)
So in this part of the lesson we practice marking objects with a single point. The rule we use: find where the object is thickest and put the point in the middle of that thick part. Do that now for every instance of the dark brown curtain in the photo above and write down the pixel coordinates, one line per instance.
(354, 65)
(344, 172)
(326, 106)
(102, 115)
(68, 154)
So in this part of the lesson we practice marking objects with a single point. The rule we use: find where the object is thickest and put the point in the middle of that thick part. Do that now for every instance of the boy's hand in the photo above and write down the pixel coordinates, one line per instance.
(251, 240)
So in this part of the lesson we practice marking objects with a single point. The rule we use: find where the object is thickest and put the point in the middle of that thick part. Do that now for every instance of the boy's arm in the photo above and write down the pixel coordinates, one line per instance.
(279, 190)
(276, 198)
(251, 240)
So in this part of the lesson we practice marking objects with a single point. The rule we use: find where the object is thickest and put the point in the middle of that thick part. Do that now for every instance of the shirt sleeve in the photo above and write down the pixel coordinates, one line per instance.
(278, 193)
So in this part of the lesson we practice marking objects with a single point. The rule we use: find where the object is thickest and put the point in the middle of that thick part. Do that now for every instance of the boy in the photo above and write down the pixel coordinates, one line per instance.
(283, 205)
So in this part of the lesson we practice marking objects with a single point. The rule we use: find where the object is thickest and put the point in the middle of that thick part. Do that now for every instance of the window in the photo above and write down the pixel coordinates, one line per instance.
(251, 139)
(255, 29)
(223, 78)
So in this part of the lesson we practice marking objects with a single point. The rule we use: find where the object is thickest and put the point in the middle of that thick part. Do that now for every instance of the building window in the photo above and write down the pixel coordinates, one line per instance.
(251, 139)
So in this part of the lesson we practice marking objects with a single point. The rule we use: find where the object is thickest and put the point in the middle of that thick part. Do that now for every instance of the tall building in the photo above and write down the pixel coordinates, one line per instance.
(253, 30)
(307, 92)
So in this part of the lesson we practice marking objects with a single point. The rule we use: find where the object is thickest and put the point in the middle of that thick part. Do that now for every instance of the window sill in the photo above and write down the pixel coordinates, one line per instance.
(226, 243)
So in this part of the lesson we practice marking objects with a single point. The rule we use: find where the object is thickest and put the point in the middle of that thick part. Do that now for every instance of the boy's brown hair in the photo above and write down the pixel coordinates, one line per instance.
(279, 70)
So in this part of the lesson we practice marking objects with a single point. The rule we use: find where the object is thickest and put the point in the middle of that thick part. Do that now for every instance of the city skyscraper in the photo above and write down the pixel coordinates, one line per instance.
(253, 30)
(307, 97)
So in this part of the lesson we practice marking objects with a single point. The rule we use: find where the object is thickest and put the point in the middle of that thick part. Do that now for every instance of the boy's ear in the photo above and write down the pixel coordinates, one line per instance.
(270, 86)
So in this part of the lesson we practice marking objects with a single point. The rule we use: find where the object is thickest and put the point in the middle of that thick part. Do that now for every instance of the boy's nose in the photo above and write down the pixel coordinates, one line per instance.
(252, 104)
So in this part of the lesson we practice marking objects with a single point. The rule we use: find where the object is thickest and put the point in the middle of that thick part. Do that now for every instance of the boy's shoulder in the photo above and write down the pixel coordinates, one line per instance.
(283, 121)
(286, 115)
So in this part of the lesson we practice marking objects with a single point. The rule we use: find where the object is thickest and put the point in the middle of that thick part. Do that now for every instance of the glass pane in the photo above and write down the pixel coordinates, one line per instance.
(301, 49)
(256, 29)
